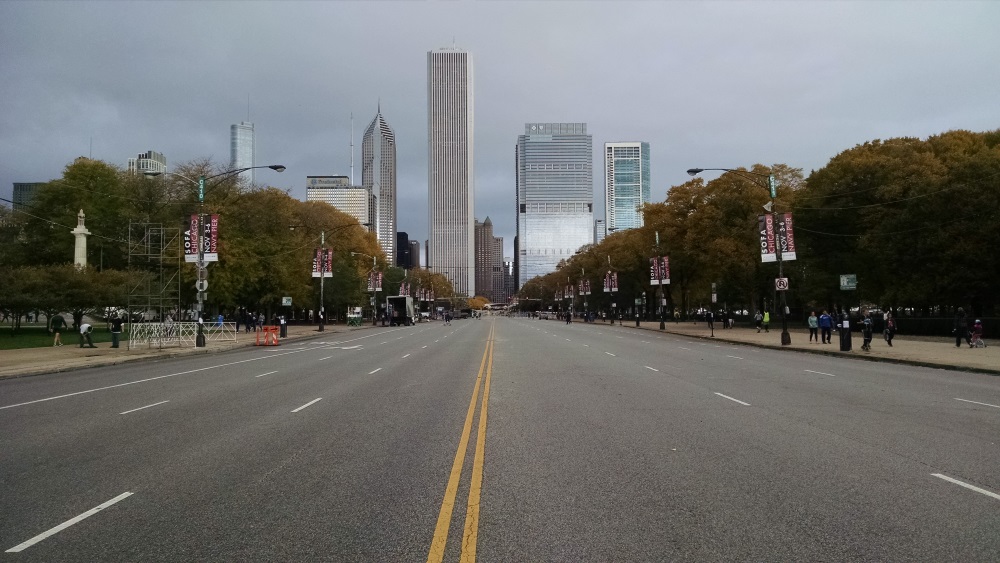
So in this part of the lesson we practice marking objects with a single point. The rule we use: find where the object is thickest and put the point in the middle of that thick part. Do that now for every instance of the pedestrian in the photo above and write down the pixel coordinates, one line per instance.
(813, 327)
(767, 321)
(758, 320)
(961, 328)
(890, 328)
(85, 330)
(866, 331)
(569, 317)
(116, 330)
(976, 339)
(56, 325)
(826, 327)
(677, 316)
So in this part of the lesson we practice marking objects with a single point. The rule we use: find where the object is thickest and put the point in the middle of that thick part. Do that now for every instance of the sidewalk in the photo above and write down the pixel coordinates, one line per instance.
(34, 361)
(939, 352)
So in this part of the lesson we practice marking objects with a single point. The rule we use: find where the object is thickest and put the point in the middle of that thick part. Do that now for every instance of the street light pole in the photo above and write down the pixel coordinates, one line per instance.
(786, 338)
(201, 285)
(322, 276)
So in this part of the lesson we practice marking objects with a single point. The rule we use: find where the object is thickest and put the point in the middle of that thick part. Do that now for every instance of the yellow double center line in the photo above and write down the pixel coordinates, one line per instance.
(448, 504)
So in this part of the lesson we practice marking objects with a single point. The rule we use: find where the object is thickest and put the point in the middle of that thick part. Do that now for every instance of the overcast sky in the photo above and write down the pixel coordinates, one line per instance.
(707, 84)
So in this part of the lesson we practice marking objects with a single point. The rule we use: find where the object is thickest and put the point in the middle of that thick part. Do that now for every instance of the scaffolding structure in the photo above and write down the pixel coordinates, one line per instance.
(154, 254)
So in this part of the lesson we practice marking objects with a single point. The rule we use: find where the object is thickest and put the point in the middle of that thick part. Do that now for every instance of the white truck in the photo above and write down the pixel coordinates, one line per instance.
(400, 310)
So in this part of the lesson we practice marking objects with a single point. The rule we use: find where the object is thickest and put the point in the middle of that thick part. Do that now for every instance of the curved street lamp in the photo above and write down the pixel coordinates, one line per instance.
(202, 284)
(323, 264)
(755, 177)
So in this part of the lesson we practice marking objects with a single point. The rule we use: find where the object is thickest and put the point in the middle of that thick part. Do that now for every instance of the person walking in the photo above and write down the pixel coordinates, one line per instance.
(826, 327)
(961, 328)
(813, 327)
(116, 330)
(56, 325)
(767, 321)
(890, 328)
(866, 331)
(758, 320)
(85, 330)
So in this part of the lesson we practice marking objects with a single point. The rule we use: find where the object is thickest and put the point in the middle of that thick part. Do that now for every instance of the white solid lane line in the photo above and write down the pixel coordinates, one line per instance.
(732, 399)
(151, 379)
(735, 357)
(270, 372)
(977, 403)
(406, 356)
(423, 346)
(966, 485)
(654, 369)
(307, 404)
(819, 372)
(67, 524)
(145, 407)
(376, 370)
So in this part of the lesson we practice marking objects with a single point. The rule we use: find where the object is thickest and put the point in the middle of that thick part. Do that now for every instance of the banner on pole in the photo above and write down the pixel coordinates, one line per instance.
(765, 230)
(327, 265)
(659, 270)
(211, 239)
(786, 237)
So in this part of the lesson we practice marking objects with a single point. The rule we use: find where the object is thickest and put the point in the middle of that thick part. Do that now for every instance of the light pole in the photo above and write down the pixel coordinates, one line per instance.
(201, 286)
(324, 263)
(374, 287)
(755, 177)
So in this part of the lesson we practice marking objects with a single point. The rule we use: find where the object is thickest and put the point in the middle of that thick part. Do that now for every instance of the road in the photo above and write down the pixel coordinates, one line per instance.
(502, 440)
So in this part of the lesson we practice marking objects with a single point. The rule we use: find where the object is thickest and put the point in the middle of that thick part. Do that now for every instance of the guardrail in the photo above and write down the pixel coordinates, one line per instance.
(177, 334)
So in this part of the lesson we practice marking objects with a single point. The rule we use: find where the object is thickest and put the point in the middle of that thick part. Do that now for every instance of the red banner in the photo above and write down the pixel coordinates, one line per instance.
(786, 237)
(327, 264)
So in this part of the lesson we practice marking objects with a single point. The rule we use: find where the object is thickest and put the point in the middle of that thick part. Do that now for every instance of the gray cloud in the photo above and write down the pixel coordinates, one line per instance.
(707, 84)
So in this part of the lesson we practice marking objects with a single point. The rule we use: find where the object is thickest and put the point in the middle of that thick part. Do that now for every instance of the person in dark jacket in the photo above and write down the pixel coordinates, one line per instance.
(961, 328)
(825, 326)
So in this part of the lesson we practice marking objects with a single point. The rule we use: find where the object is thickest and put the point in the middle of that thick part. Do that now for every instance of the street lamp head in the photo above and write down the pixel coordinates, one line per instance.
(695, 171)
(151, 173)
(277, 167)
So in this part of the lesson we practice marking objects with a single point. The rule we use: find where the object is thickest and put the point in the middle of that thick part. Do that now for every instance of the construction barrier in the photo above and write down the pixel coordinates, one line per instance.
(269, 334)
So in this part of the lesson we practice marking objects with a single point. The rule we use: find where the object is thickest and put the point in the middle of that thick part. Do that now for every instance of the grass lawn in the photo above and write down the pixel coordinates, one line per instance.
(37, 336)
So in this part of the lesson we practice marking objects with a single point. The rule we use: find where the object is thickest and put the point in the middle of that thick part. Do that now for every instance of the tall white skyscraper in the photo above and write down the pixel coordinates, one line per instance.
(555, 195)
(378, 175)
(626, 184)
(450, 179)
(241, 151)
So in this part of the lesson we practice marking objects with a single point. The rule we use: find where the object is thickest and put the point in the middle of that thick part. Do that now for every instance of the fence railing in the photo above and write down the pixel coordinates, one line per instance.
(177, 334)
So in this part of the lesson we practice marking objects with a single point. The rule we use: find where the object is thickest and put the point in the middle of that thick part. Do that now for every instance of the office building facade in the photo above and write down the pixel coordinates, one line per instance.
(356, 201)
(626, 184)
(378, 174)
(146, 162)
(24, 194)
(600, 230)
(489, 261)
(555, 195)
(415, 254)
(450, 178)
(403, 251)
(242, 153)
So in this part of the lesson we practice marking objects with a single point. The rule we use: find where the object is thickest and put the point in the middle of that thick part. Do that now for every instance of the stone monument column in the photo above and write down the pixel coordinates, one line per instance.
(80, 232)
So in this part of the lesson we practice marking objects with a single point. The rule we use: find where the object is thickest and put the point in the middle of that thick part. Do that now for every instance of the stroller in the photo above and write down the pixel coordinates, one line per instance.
(976, 336)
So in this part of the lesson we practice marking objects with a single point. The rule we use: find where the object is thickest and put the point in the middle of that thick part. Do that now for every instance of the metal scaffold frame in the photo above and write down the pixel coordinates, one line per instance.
(154, 253)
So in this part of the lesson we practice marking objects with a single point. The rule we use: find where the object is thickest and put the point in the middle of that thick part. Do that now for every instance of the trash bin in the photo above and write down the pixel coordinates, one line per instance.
(845, 333)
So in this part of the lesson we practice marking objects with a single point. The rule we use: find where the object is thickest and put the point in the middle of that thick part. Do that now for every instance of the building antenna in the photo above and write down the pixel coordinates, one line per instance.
(352, 148)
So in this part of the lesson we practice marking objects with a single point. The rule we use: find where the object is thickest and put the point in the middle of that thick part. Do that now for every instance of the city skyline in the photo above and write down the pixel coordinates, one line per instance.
(378, 175)
(703, 83)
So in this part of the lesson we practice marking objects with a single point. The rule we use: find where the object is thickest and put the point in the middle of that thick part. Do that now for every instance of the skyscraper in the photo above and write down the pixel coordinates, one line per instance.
(489, 261)
(378, 174)
(403, 251)
(626, 184)
(149, 161)
(450, 183)
(555, 195)
(356, 201)
(415, 254)
(241, 151)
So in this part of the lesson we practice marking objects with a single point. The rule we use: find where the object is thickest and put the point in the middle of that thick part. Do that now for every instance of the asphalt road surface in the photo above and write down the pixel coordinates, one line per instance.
(501, 440)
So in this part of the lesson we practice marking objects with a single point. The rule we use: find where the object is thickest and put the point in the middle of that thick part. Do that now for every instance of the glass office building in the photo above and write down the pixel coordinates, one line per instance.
(241, 151)
(555, 195)
(626, 184)
(450, 183)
